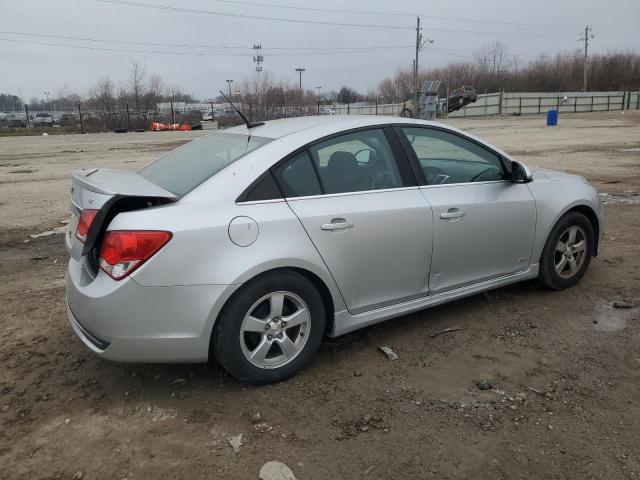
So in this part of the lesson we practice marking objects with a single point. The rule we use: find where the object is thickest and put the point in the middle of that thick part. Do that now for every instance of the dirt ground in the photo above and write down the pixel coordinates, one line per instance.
(565, 366)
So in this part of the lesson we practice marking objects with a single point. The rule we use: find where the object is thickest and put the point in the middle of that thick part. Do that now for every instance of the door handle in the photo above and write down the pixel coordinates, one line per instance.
(336, 224)
(452, 213)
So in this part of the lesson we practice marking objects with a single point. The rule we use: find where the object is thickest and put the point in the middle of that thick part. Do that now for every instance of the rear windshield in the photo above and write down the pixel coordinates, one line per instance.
(186, 167)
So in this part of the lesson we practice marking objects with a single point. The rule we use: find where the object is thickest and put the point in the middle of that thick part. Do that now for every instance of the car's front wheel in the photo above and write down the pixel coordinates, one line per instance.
(270, 328)
(568, 251)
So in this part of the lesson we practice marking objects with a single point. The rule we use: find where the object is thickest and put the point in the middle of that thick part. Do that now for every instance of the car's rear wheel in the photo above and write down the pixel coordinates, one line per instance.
(568, 252)
(270, 328)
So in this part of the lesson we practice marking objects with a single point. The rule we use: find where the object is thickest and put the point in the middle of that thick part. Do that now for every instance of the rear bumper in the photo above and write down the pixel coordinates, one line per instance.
(124, 321)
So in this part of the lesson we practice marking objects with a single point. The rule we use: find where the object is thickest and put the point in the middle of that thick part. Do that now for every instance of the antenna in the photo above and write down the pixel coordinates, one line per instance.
(244, 119)
(258, 58)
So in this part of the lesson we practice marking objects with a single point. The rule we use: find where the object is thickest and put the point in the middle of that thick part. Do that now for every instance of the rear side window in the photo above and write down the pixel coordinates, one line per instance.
(356, 162)
(297, 177)
(186, 167)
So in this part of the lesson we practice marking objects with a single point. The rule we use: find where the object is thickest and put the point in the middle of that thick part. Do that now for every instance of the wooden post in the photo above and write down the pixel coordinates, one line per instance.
(608, 102)
(575, 104)
(80, 114)
(26, 116)
(519, 105)
(539, 104)
(592, 103)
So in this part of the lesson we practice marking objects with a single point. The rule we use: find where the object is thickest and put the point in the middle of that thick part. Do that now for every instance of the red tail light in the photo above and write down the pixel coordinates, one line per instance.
(123, 251)
(86, 219)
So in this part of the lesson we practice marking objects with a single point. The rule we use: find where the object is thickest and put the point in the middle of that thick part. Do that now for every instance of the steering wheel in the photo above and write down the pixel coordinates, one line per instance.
(478, 175)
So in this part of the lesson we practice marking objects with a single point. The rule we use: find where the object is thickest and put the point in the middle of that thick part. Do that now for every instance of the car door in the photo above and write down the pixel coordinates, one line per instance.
(360, 205)
(484, 224)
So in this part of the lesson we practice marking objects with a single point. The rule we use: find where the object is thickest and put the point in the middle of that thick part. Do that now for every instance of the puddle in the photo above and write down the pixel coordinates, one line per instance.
(609, 319)
(620, 198)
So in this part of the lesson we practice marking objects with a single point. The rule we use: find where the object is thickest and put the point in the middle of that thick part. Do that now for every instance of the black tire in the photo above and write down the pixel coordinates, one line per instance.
(548, 275)
(226, 343)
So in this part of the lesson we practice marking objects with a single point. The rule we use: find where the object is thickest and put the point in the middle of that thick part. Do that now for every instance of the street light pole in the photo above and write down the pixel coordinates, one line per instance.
(229, 82)
(300, 70)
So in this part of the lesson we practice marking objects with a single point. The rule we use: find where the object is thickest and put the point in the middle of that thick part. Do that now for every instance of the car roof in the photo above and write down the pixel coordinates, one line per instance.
(275, 129)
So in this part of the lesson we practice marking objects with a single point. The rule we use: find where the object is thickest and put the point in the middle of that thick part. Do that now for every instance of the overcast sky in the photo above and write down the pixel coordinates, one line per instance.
(528, 28)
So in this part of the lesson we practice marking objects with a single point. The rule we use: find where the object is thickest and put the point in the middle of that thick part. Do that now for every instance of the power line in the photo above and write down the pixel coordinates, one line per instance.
(186, 45)
(190, 53)
(343, 24)
(394, 14)
(252, 17)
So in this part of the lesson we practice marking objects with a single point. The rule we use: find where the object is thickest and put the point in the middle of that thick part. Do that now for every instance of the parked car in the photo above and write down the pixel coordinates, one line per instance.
(17, 120)
(253, 243)
(43, 119)
(462, 97)
(67, 120)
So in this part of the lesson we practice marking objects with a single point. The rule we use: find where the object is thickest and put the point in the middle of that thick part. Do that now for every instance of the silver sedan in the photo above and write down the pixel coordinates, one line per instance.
(253, 243)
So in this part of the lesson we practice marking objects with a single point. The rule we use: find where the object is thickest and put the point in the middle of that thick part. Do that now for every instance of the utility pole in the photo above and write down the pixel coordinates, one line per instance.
(300, 70)
(587, 35)
(419, 45)
(229, 82)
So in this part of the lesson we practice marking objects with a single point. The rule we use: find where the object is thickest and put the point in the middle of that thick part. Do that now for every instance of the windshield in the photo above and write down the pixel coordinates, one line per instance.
(186, 167)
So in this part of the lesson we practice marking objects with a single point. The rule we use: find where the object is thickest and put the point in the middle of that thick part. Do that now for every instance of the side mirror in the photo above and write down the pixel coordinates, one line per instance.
(520, 173)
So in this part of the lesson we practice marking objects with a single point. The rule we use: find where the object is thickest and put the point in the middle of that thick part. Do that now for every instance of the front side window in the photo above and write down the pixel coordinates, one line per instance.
(446, 158)
(186, 167)
(356, 162)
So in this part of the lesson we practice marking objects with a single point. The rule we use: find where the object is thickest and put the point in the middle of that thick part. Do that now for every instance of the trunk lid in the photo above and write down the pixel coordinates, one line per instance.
(109, 191)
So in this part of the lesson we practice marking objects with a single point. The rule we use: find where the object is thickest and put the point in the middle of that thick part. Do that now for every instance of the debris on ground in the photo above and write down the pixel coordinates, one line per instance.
(275, 470)
(236, 441)
(48, 233)
(369, 469)
(446, 330)
(391, 355)
(484, 384)
(622, 304)
(179, 382)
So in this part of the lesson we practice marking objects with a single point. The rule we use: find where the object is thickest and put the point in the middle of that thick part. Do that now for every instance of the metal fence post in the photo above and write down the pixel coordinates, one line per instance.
(592, 103)
(608, 102)
(575, 104)
(348, 108)
(376, 104)
(519, 105)
(539, 104)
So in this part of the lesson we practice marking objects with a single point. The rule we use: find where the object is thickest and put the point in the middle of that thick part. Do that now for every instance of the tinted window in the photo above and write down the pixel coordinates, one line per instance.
(447, 158)
(297, 178)
(356, 162)
(184, 168)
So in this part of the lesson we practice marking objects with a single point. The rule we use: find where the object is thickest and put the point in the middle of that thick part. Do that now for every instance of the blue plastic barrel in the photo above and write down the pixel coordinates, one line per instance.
(552, 118)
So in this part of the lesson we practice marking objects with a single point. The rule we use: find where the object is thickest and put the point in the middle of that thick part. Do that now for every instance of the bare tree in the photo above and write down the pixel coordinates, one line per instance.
(136, 83)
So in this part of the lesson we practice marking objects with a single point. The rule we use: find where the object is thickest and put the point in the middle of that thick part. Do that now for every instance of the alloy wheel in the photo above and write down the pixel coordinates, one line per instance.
(570, 252)
(275, 330)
